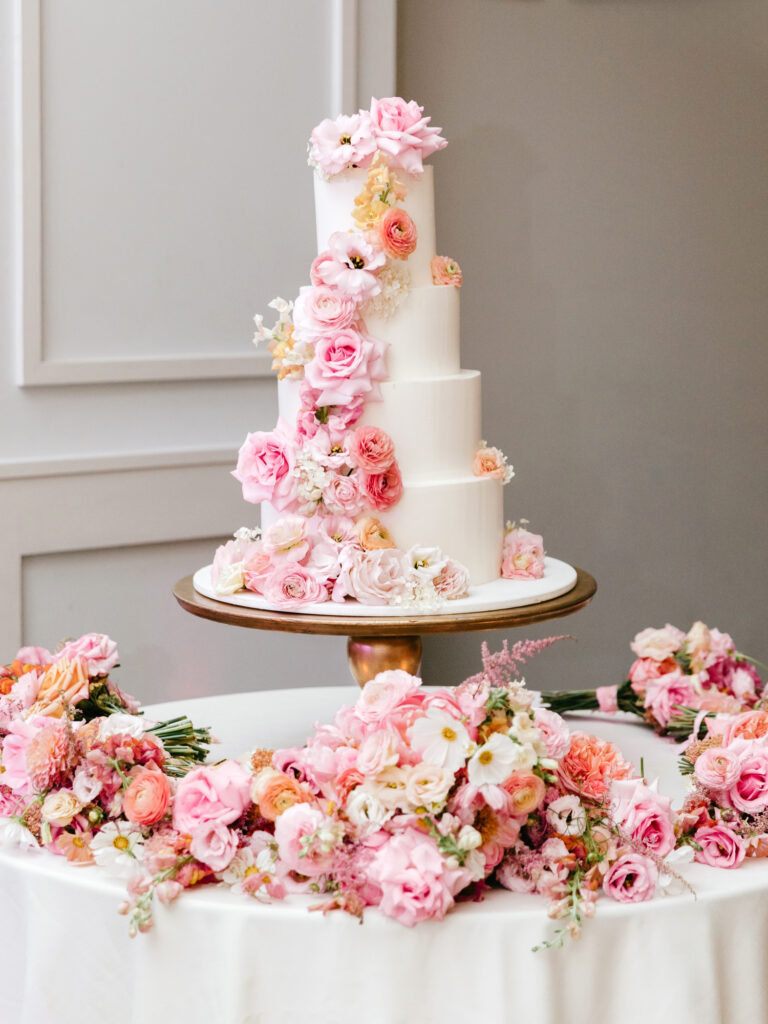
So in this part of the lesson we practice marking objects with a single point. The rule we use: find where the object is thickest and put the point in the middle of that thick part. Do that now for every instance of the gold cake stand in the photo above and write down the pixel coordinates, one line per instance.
(385, 642)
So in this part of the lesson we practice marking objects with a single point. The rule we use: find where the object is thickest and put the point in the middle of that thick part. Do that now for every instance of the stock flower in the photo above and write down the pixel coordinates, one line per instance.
(440, 739)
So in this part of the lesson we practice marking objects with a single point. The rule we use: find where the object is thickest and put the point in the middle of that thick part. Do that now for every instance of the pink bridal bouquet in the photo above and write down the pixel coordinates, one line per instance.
(676, 682)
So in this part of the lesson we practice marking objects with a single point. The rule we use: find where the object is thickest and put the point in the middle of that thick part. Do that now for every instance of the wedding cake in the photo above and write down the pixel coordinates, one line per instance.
(375, 486)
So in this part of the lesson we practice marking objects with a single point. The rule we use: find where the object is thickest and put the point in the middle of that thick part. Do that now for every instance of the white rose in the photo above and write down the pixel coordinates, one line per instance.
(427, 785)
(126, 725)
(60, 808)
(374, 577)
(229, 580)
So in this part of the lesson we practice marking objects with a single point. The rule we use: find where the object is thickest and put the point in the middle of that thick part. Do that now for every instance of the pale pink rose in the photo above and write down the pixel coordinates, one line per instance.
(522, 556)
(445, 271)
(662, 695)
(371, 449)
(265, 466)
(342, 495)
(378, 751)
(321, 264)
(385, 692)
(297, 823)
(95, 650)
(403, 133)
(372, 577)
(489, 462)
(346, 142)
(292, 585)
(658, 644)
(257, 570)
(382, 490)
(554, 731)
(414, 880)
(717, 768)
(452, 581)
(346, 365)
(214, 844)
(34, 656)
(632, 879)
(720, 847)
(749, 793)
(353, 267)
(321, 310)
(286, 539)
(212, 793)
(397, 233)
(323, 561)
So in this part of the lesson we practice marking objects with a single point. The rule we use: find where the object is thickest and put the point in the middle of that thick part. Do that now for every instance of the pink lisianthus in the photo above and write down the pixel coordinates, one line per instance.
(323, 561)
(414, 880)
(214, 845)
(522, 556)
(306, 839)
(353, 265)
(328, 450)
(403, 133)
(397, 233)
(644, 815)
(321, 310)
(452, 581)
(346, 365)
(211, 794)
(632, 879)
(342, 495)
(382, 490)
(371, 449)
(372, 577)
(95, 650)
(265, 466)
(720, 846)
(663, 694)
(292, 585)
(346, 142)
(445, 271)
(658, 644)
(749, 792)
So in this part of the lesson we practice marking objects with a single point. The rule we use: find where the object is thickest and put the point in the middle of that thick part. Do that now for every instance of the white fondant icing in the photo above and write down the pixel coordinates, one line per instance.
(423, 334)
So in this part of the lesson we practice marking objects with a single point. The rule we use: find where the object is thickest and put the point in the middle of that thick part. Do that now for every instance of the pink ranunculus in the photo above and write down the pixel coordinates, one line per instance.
(97, 652)
(371, 449)
(265, 466)
(353, 266)
(662, 695)
(342, 495)
(658, 644)
(632, 879)
(452, 581)
(403, 133)
(413, 878)
(749, 792)
(321, 264)
(295, 832)
(522, 556)
(346, 142)
(720, 847)
(717, 768)
(292, 585)
(554, 730)
(321, 310)
(383, 490)
(372, 577)
(445, 271)
(213, 793)
(346, 365)
(398, 233)
(214, 845)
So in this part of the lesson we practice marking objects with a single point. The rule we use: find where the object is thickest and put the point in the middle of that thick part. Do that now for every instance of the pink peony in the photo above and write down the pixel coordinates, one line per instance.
(720, 847)
(658, 643)
(321, 310)
(371, 449)
(292, 585)
(346, 365)
(265, 466)
(397, 233)
(213, 793)
(632, 879)
(403, 133)
(95, 650)
(346, 142)
(383, 490)
(353, 265)
(20, 735)
(214, 845)
(342, 495)
(452, 581)
(445, 271)
(522, 556)
(415, 882)
(372, 577)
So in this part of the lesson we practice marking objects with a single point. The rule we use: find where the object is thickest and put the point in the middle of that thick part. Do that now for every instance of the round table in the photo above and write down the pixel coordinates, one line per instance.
(218, 958)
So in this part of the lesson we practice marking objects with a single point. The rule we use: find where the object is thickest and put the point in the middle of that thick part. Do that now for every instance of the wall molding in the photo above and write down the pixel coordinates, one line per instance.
(117, 462)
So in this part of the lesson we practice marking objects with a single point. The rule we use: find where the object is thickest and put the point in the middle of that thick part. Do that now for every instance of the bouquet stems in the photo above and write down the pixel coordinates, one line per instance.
(588, 700)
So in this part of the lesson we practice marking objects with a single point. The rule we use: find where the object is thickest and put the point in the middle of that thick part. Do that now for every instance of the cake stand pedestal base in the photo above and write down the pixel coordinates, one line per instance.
(369, 655)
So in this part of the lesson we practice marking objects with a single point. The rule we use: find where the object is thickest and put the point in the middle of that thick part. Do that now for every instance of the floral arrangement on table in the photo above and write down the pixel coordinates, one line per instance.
(677, 681)
(329, 477)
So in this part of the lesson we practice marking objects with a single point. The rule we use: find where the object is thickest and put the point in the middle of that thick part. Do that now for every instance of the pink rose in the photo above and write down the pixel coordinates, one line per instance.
(213, 793)
(522, 556)
(345, 366)
(383, 490)
(403, 133)
(300, 847)
(632, 879)
(372, 577)
(717, 768)
(720, 847)
(452, 581)
(256, 571)
(658, 643)
(321, 310)
(292, 585)
(353, 265)
(342, 495)
(445, 271)
(662, 695)
(214, 845)
(414, 880)
(346, 142)
(555, 732)
(97, 652)
(371, 449)
(749, 793)
(398, 233)
(265, 466)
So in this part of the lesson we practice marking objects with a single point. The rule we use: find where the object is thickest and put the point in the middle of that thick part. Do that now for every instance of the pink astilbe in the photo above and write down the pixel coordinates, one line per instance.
(502, 668)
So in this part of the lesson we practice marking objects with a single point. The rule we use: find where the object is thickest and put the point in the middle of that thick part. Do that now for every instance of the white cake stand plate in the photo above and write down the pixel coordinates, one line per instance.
(558, 579)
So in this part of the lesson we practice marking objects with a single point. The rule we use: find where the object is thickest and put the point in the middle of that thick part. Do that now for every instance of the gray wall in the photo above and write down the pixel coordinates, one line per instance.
(606, 193)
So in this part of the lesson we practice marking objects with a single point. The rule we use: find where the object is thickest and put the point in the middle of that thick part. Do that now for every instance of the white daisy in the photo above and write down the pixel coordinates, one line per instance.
(441, 740)
(117, 849)
(494, 761)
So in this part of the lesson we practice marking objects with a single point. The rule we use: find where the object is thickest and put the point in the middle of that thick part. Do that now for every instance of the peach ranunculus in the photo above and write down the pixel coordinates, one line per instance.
(527, 792)
(147, 798)
(489, 462)
(590, 766)
(371, 449)
(446, 271)
(398, 233)
(274, 792)
(65, 680)
(373, 535)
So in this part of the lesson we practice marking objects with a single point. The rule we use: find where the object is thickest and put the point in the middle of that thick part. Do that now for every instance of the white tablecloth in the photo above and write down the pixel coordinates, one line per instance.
(219, 958)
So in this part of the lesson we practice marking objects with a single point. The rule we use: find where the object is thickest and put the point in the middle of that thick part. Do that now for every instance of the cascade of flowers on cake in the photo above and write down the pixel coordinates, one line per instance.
(327, 476)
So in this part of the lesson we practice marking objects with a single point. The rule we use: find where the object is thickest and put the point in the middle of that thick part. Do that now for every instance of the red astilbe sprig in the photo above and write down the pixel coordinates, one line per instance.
(503, 667)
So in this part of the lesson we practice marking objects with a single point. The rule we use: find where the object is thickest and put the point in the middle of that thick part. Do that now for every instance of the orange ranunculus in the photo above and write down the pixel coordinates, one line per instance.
(147, 798)
(274, 792)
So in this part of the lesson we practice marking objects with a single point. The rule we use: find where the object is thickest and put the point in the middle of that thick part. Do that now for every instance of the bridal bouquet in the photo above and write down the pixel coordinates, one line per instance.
(676, 681)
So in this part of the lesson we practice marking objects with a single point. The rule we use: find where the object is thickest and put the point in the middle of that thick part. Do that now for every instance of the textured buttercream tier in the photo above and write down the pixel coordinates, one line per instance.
(335, 203)
(422, 334)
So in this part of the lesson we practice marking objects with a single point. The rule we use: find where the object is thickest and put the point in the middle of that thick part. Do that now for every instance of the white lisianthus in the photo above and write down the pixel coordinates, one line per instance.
(59, 808)
(230, 579)
(679, 858)
(567, 816)
(427, 786)
(117, 849)
(426, 563)
(441, 740)
(364, 808)
(495, 761)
